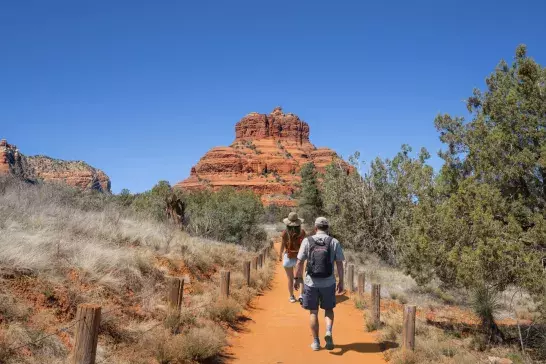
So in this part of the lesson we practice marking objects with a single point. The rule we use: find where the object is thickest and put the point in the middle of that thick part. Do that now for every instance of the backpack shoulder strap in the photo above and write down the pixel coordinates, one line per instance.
(311, 241)
(328, 243)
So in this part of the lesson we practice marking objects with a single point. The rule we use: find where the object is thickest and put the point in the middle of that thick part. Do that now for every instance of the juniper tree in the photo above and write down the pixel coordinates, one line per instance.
(310, 199)
(488, 230)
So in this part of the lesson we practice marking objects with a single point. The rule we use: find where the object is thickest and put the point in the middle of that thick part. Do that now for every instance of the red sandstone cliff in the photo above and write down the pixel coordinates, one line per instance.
(73, 173)
(266, 156)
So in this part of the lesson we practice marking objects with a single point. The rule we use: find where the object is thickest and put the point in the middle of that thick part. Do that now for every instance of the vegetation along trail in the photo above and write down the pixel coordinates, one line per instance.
(278, 332)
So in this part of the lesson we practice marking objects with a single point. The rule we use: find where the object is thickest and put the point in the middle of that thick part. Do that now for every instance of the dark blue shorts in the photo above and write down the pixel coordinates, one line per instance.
(313, 296)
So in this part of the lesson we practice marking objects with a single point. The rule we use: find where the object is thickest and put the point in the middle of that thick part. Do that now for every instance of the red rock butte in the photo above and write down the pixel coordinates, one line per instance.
(266, 157)
(73, 173)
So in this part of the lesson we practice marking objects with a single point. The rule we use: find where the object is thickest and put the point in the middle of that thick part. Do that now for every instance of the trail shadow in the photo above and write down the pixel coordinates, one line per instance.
(240, 326)
(386, 345)
(221, 359)
(363, 348)
(342, 298)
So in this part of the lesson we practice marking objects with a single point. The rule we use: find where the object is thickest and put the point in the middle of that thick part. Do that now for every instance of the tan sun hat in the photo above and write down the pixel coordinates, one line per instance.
(293, 220)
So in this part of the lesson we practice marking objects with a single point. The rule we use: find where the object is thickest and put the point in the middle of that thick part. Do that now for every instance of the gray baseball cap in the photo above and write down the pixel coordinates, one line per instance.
(322, 222)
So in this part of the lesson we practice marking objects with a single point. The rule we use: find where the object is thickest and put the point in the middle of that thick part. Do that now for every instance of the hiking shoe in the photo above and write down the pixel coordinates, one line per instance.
(315, 345)
(329, 341)
(292, 299)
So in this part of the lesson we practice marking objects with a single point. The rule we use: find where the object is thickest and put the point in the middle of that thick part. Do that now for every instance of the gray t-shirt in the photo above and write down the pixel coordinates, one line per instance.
(336, 254)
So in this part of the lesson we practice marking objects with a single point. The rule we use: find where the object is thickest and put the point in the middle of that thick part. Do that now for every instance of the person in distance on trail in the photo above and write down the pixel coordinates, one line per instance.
(320, 251)
(290, 246)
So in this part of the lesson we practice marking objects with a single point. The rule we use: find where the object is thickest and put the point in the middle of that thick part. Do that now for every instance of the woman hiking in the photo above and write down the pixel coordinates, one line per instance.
(291, 242)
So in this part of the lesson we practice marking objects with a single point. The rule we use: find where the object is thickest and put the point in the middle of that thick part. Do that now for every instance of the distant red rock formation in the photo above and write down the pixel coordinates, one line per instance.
(266, 157)
(73, 173)
(275, 125)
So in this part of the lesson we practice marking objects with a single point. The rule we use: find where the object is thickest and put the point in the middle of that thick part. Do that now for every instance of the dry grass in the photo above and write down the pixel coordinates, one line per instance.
(11, 309)
(98, 252)
(196, 345)
(47, 350)
(397, 285)
(434, 345)
(370, 324)
(225, 310)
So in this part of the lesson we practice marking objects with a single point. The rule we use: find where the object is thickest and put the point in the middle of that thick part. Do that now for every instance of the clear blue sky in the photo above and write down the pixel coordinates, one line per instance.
(142, 89)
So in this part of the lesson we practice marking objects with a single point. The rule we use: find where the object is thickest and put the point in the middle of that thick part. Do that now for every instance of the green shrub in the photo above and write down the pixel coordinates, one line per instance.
(227, 215)
(276, 213)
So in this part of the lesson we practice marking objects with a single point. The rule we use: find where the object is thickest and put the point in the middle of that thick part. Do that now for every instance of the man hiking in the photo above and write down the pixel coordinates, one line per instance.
(292, 238)
(320, 251)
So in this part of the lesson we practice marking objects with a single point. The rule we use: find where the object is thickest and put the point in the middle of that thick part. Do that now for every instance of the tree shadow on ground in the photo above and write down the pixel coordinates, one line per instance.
(339, 350)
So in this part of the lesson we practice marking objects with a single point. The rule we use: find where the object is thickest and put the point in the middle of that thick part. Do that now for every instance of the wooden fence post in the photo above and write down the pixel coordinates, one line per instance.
(224, 284)
(175, 292)
(259, 261)
(376, 304)
(87, 332)
(345, 273)
(408, 330)
(255, 263)
(361, 283)
(246, 270)
(351, 277)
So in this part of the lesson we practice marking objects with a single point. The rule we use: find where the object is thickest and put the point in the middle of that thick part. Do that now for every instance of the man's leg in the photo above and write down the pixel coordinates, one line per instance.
(314, 323)
(310, 302)
(328, 302)
(329, 318)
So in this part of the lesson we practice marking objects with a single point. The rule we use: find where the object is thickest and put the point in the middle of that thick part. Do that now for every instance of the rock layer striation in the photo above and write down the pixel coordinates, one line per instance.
(73, 173)
(266, 157)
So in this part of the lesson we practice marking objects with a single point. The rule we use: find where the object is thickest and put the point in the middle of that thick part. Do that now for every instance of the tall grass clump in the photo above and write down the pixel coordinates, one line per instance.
(486, 304)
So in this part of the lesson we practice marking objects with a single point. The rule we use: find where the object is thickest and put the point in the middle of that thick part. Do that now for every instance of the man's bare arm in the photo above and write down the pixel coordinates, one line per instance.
(340, 286)
(298, 274)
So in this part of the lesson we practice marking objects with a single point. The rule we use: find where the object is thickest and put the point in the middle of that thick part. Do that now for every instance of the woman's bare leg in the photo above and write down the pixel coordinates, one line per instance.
(290, 275)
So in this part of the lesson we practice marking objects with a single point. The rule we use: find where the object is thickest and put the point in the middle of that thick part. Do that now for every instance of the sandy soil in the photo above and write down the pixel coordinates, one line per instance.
(278, 332)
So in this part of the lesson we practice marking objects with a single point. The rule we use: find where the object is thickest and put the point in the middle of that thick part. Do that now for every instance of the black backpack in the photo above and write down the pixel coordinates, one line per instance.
(320, 263)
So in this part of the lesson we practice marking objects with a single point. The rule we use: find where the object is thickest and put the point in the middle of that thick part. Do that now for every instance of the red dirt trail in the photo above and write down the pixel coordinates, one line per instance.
(278, 332)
